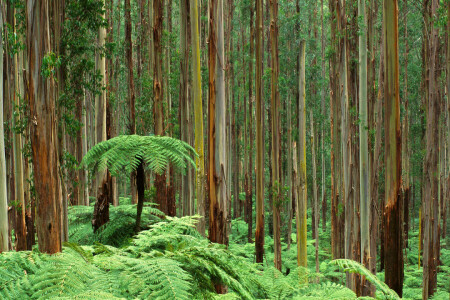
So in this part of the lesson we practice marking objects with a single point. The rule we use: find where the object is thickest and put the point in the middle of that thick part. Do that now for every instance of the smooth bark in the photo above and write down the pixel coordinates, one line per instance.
(302, 187)
(393, 199)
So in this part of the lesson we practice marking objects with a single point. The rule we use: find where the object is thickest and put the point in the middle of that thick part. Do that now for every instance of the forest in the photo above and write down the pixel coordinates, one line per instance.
(224, 149)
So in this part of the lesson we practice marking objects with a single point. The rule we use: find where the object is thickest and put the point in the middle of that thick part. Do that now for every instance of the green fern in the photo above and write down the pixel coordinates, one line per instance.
(125, 153)
(117, 232)
(351, 266)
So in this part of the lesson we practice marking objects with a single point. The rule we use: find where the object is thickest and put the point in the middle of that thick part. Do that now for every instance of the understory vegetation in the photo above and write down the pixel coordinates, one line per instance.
(169, 259)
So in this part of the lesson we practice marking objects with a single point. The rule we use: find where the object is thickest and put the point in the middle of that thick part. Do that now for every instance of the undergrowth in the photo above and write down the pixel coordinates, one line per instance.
(171, 260)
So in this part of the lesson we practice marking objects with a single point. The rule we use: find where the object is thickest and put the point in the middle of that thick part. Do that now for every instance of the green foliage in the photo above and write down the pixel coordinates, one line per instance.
(117, 232)
(180, 266)
(125, 152)
(351, 266)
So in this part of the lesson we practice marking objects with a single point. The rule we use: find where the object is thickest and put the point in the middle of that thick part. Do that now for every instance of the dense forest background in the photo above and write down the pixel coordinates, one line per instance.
(315, 143)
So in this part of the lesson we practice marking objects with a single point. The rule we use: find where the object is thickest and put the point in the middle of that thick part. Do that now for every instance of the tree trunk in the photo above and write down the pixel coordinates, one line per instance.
(131, 92)
(393, 209)
(249, 192)
(184, 102)
(43, 133)
(316, 201)
(302, 188)
(322, 135)
(140, 184)
(4, 246)
(198, 115)
(363, 148)
(275, 126)
(216, 143)
(259, 233)
(20, 229)
(158, 111)
(431, 185)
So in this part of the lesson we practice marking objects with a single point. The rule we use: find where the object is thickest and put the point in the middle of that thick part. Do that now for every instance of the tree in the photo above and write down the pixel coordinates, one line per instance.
(186, 193)
(316, 201)
(158, 111)
(259, 233)
(392, 210)
(134, 153)
(43, 132)
(302, 187)
(198, 115)
(218, 211)
(363, 145)
(4, 246)
(131, 92)
(431, 174)
(275, 126)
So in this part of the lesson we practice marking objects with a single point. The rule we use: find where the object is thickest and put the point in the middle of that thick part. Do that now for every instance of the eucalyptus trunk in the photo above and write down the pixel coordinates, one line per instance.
(259, 233)
(275, 126)
(198, 115)
(4, 245)
(44, 149)
(217, 168)
(431, 185)
(316, 200)
(393, 200)
(158, 110)
(131, 92)
(363, 147)
(20, 229)
(302, 187)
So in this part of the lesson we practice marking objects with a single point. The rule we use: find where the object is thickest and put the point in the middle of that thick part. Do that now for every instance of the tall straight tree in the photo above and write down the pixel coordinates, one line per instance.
(363, 144)
(316, 202)
(43, 131)
(4, 246)
(302, 187)
(217, 168)
(259, 233)
(20, 228)
(131, 92)
(249, 175)
(158, 111)
(431, 172)
(275, 126)
(392, 148)
(198, 115)
(186, 193)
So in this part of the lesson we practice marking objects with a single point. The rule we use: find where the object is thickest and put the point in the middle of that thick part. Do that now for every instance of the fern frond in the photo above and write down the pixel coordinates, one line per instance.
(125, 153)
(351, 266)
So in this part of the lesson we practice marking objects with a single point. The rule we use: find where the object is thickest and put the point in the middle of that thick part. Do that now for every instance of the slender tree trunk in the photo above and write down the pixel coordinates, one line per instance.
(302, 188)
(393, 209)
(363, 148)
(259, 233)
(4, 245)
(289, 174)
(158, 111)
(275, 126)
(322, 134)
(84, 176)
(131, 92)
(316, 200)
(198, 115)
(431, 185)
(43, 133)
(249, 192)
(20, 229)
(184, 101)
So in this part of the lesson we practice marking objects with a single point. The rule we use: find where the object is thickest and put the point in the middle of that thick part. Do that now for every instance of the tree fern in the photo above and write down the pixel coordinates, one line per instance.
(125, 153)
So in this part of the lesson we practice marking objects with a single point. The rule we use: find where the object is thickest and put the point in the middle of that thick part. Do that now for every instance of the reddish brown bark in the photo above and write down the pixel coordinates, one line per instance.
(43, 131)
